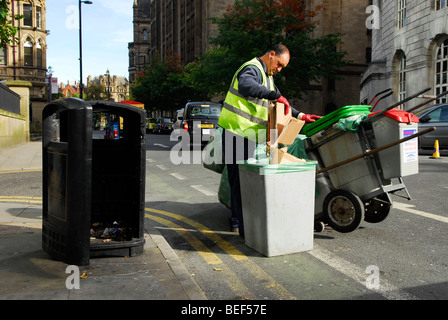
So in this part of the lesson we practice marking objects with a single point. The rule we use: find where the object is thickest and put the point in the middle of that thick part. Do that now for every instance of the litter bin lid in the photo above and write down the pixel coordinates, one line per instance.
(263, 168)
(333, 117)
(399, 116)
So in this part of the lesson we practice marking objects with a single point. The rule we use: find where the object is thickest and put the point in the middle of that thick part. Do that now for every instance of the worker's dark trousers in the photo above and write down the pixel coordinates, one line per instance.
(236, 148)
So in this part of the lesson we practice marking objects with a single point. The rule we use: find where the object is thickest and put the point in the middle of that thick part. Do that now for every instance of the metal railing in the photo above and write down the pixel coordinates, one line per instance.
(9, 100)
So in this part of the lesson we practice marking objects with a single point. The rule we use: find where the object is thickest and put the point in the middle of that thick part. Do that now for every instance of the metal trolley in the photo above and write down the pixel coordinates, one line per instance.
(358, 170)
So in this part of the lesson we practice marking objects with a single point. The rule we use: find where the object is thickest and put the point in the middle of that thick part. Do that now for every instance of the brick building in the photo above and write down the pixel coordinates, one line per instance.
(68, 90)
(409, 50)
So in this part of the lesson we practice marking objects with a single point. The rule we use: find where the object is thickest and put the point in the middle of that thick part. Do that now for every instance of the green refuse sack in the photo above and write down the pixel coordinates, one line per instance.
(351, 123)
(214, 157)
(224, 189)
(297, 149)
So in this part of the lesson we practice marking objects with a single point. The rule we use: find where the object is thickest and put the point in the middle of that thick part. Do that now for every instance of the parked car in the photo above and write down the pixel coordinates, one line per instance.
(433, 116)
(163, 125)
(200, 119)
(150, 123)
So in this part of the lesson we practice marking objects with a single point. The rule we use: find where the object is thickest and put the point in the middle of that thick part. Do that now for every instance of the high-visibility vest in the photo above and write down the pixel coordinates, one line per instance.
(246, 116)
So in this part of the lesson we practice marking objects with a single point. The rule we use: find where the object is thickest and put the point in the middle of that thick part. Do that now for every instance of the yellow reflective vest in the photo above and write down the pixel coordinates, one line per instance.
(246, 116)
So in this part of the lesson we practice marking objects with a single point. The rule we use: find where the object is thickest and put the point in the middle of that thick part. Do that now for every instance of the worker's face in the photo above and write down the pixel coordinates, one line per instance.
(277, 62)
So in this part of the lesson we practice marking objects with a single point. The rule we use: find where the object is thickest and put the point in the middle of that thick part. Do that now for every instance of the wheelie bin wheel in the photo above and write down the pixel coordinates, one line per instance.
(377, 209)
(343, 210)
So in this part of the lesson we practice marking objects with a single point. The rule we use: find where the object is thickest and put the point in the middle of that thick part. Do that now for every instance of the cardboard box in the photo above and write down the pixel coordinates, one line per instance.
(284, 130)
(280, 156)
(278, 119)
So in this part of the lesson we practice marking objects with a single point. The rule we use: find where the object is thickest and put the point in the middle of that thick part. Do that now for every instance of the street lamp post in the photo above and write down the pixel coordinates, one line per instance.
(80, 48)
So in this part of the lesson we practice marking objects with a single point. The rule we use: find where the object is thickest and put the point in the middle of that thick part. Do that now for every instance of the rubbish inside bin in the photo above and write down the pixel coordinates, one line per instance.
(110, 232)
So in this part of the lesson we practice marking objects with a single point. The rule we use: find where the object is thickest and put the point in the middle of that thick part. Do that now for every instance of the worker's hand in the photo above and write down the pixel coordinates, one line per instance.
(309, 117)
(283, 100)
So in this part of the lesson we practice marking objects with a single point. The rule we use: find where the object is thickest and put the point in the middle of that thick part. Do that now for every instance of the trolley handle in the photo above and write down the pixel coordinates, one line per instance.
(381, 95)
(380, 113)
(429, 101)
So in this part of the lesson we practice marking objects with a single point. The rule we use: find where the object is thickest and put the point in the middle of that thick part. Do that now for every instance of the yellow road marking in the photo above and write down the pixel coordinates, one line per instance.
(253, 268)
(21, 171)
(230, 277)
(205, 252)
(226, 246)
(21, 199)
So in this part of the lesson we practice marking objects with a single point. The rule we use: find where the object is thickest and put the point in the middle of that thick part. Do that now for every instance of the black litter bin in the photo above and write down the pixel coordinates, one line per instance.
(93, 180)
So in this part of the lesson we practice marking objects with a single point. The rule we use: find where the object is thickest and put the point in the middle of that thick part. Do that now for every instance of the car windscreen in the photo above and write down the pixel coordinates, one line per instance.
(203, 111)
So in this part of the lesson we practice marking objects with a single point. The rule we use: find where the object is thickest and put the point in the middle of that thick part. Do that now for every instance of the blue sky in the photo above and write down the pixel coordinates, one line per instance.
(106, 31)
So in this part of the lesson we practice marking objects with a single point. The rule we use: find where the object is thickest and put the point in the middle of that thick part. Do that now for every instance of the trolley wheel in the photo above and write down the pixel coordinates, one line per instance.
(319, 226)
(377, 209)
(343, 210)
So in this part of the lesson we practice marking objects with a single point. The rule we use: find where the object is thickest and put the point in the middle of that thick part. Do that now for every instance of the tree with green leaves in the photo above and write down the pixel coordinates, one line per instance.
(95, 91)
(7, 28)
(162, 85)
(250, 27)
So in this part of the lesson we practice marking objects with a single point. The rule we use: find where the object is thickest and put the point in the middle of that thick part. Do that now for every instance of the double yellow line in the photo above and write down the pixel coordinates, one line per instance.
(20, 199)
(211, 258)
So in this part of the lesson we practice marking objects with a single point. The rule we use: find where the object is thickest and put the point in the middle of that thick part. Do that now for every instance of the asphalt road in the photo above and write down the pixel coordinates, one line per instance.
(403, 257)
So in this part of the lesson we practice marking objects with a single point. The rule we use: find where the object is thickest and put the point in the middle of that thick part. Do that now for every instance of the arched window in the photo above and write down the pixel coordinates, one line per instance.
(402, 78)
(39, 55)
(28, 53)
(145, 35)
(441, 80)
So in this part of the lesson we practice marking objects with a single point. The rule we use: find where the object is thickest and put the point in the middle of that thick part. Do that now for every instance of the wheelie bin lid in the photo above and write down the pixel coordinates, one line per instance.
(335, 116)
(399, 116)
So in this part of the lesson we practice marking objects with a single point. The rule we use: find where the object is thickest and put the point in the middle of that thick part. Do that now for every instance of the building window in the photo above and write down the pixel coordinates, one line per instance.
(402, 80)
(441, 81)
(39, 17)
(131, 59)
(440, 4)
(39, 54)
(27, 15)
(2, 56)
(145, 35)
(28, 56)
(401, 13)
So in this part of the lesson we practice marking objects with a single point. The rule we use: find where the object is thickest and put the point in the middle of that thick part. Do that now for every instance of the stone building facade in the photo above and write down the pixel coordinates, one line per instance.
(409, 51)
(26, 59)
(116, 87)
(178, 25)
(347, 17)
(182, 26)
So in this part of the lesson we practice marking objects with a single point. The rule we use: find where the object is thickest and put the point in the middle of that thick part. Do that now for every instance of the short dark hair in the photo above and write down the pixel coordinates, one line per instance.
(279, 49)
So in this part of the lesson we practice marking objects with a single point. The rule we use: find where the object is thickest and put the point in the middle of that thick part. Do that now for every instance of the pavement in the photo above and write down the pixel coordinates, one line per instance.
(29, 273)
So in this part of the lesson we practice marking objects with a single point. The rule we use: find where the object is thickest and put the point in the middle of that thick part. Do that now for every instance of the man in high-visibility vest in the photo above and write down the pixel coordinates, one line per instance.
(244, 117)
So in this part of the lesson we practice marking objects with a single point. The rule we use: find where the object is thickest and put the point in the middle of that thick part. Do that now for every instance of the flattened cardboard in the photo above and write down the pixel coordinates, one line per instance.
(280, 156)
(284, 130)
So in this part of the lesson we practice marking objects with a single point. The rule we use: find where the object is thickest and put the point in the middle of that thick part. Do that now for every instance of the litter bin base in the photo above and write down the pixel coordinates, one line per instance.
(131, 248)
